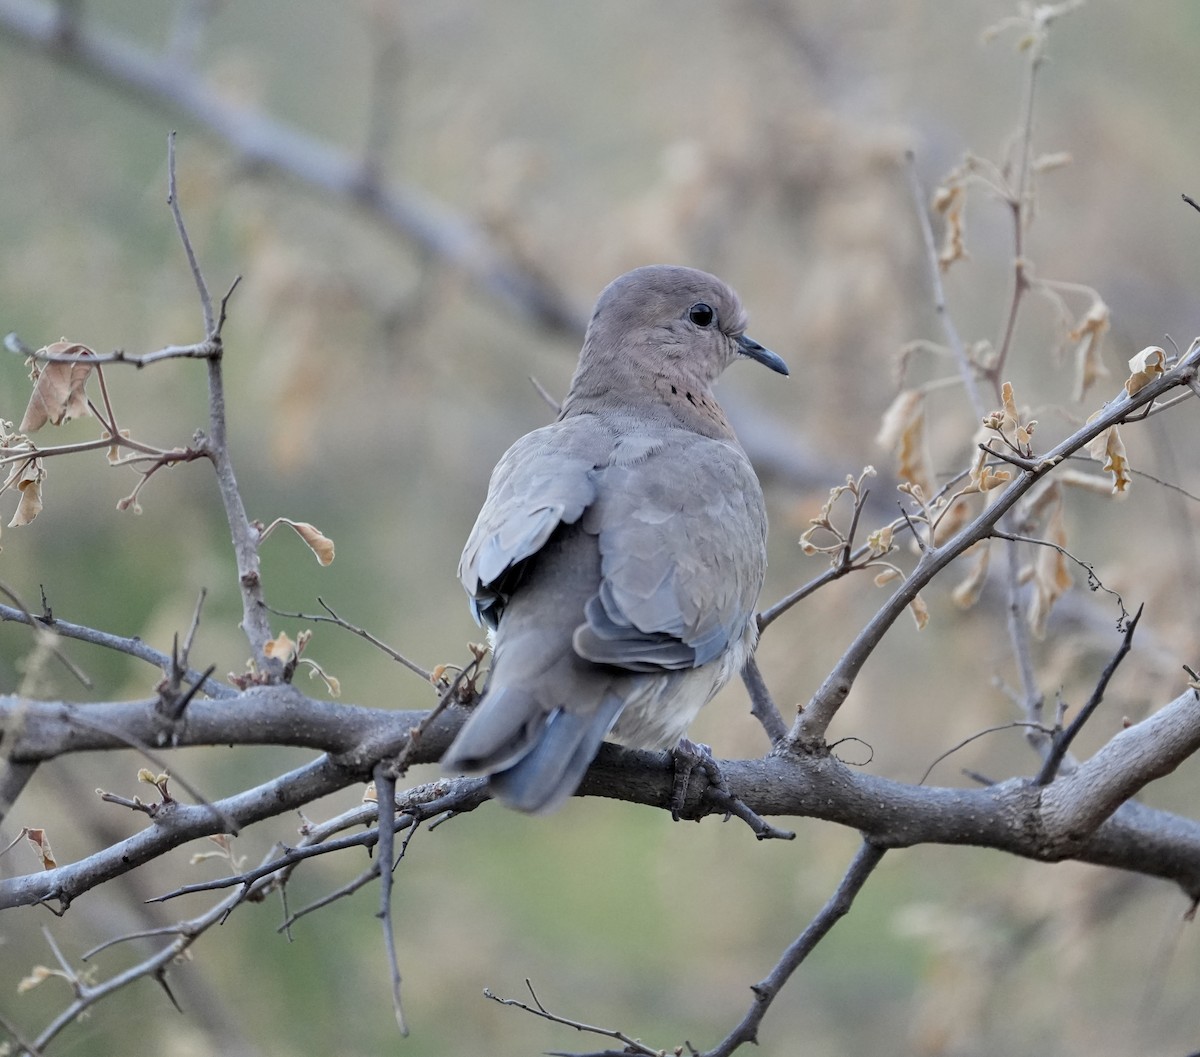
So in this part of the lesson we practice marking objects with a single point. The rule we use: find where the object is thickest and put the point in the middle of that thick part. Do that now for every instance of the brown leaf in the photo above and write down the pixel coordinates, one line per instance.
(1109, 447)
(282, 648)
(1089, 333)
(1051, 574)
(966, 594)
(1144, 368)
(27, 478)
(37, 838)
(919, 611)
(320, 544)
(903, 431)
(58, 388)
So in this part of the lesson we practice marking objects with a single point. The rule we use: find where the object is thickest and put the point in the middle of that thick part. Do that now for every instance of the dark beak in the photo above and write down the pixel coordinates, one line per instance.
(749, 347)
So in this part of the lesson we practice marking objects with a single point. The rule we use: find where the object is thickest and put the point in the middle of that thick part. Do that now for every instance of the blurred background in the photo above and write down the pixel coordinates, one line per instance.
(372, 387)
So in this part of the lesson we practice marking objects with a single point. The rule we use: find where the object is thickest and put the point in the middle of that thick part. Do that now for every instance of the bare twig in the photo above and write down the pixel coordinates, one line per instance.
(210, 330)
(545, 394)
(202, 350)
(1062, 740)
(762, 706)
(333, 618)
(216, 446)
(966, 369)
(1014, 725)
(385, 789)
(765, 991)
(135, 647)
(631, 1045)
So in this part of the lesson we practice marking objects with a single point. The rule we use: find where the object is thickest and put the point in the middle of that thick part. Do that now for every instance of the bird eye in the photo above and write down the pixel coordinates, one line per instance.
(701, 314)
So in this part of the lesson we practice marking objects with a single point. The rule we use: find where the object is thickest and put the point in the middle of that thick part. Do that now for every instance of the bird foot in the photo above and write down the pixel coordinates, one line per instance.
(689, 757)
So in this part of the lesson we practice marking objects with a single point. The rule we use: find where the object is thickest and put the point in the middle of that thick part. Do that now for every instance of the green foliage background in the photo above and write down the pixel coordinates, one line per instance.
(371, 392)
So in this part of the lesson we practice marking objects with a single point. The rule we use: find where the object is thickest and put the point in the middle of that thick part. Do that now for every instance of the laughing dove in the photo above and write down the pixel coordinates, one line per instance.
(621, 549)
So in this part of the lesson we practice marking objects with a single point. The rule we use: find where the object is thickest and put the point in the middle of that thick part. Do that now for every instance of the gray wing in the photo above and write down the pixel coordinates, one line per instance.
(682, 535)
(545, 479)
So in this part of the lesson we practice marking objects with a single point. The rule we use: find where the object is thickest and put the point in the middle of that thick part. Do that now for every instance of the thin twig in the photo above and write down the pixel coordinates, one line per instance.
(1014, 725)
(201, 350)
(632, 1045)
(1063, 740)
(193, 264)
(333, 618)
(545, 394)
(966, 369)
(385, 799)
(46, 634)
(765, 991)
(135, 647)
(227, 822)
(762, 705)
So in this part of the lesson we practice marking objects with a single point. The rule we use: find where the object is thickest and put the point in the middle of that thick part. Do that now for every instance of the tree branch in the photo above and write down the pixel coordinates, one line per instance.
(263, 144)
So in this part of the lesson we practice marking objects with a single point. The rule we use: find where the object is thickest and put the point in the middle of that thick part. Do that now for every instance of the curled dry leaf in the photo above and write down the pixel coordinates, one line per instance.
(967, 593)
(1051, 575)
(39, 843)
(37, 975)
(1089, 333)
(919, 611)
(903, 433)
(281, 648)
(1144, 368)
(1050, 162)
(1089, 482)
(27, 478)
(320, 544)
(950, 200)
(58, 388)
(1109, 448)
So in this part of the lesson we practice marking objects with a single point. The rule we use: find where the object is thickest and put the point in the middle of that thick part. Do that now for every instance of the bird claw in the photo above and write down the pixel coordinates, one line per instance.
(689, 756)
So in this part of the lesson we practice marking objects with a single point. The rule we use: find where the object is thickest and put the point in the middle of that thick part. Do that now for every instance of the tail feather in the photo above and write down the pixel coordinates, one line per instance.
(550, 772)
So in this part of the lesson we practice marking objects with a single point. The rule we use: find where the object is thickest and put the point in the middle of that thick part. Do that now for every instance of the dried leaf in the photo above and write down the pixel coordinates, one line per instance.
(1089, 333)
(282, 648)
(1051, 574)
(58, 388)
(332, 684)
(320, 544)
(951, 201)
(1049, 162)
(880, 541)
(903, 432)
(887, 576)
(1007, 421)
(919, 611)
(1089, 482)
(1109, 448)
(38, 841)
(1145, 367)
(967, 593)
(984, 477)
(37, 975)
(26, 477)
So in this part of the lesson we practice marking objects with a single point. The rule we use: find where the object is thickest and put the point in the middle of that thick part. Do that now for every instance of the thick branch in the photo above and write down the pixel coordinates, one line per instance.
(1048, 823)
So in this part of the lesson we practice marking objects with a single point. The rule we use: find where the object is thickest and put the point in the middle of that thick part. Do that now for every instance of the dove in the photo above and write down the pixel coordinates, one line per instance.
(620, 552)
